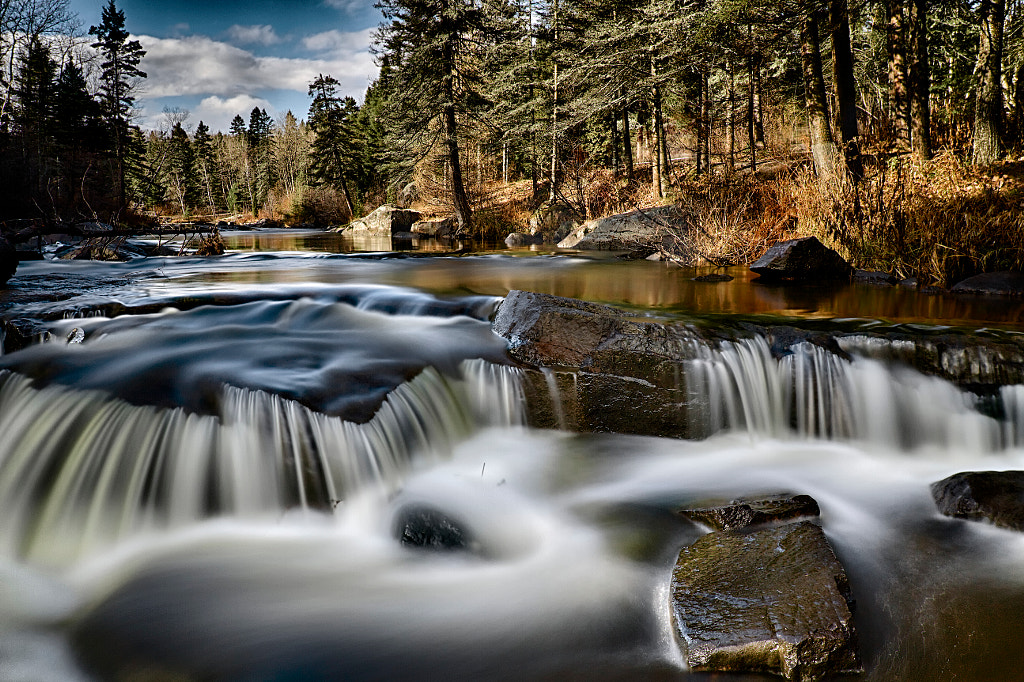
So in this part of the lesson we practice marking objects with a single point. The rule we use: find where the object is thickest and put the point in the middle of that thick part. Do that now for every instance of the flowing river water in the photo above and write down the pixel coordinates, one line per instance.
(203, 461)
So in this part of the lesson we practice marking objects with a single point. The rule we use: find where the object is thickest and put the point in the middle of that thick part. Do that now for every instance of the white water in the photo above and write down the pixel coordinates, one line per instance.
(257, 542)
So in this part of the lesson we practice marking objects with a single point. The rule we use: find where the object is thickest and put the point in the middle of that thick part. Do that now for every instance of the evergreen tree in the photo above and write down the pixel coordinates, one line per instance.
(120, 73)
(336, 150)
(206, 165)
(429, 47)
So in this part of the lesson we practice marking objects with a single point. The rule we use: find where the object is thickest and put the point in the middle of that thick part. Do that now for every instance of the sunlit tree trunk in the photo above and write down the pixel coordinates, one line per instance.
(823, 148)
(988, 111)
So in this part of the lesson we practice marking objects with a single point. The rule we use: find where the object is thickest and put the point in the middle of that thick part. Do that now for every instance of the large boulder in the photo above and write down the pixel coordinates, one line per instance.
(755, 511)
(994, 496)
(773, 601)
(515, 239)
(992, 284)
(646, 229)
(553, 221)
(386, 220)
(439, 228)
(802, 259)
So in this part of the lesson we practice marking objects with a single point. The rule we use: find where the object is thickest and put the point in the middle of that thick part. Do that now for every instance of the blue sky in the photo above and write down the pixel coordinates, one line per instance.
(219, 58)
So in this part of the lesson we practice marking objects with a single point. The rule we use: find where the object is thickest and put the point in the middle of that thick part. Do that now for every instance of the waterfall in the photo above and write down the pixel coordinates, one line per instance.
(80, 469)
(815, 393)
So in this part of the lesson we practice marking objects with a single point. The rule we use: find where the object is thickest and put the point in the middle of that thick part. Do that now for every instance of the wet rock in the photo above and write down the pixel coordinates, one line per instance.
(8, 261)
(992, 284)
(743, 513)
(647, 230)
(551, 331)
(713, 277)
(873, 277)
(994, 496)
(801, 259)
(773, 601)
(553, 221)
(385, 220)
(515, 239)
(435, 227)
(425, 527)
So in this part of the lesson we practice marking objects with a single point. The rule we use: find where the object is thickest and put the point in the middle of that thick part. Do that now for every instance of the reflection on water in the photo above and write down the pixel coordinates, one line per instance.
(329, 242)
(653, 288)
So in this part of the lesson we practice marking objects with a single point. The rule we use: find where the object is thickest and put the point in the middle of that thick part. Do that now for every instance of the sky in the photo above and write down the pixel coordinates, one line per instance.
(220, 58)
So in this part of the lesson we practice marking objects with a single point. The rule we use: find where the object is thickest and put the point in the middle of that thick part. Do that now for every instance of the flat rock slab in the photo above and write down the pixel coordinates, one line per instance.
(992, 284)
(773, 601)
(995, 496)
(743, 513)
(801, 259)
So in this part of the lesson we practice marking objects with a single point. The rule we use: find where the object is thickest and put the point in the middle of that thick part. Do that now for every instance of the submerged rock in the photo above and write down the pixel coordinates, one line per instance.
(743, 513)
(992, 284)
(515, 239)
(385, 220)
(873, 277)
(995, 496)
(644, 230)
(425, 527)
(774, 601)
(801, 259)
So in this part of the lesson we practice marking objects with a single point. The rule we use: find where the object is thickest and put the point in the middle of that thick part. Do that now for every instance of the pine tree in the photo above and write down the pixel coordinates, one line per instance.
(429, 47)
(336, 150)
(120, 73)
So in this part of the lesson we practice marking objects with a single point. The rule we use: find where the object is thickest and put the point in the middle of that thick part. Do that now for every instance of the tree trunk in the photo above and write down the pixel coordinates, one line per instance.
(845, 86)
(919, 77)
(988, 111)
(554, 107)
(627, 144)
(730, 120)
(702, 132)
(463, 214)
(896, 46)
(823, 149)
(751, 135)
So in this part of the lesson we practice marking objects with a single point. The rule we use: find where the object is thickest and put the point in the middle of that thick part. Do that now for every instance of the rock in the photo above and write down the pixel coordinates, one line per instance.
(713, 277)
(8, 261)
(385, 220)
(649, 228)
(417, 525)
(873, 277)
(773, 601)
(742, 513)
(995, 496)
(992, 284)
(435, 227)
(515, 239)
(407, 196)
(553, 221)
(801, 259)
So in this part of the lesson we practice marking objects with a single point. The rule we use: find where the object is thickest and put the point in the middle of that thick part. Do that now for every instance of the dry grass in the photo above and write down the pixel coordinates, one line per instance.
(938, 221)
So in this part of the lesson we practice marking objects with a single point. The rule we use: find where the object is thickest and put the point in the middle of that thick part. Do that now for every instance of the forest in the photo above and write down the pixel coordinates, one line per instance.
(887, 128)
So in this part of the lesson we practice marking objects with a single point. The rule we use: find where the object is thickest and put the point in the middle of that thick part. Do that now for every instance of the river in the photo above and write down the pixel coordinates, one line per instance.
(203, 463)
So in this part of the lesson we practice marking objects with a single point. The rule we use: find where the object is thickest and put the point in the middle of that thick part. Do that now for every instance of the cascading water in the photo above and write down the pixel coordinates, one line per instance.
(208, 489)
(80, 470)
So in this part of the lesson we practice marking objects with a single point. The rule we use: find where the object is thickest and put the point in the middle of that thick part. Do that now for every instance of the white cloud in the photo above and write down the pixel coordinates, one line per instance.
(254, 35)
(339, 41)
(198, 65)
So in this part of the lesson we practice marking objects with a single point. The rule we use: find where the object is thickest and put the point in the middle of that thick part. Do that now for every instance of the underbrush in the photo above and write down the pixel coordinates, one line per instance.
(938, 221)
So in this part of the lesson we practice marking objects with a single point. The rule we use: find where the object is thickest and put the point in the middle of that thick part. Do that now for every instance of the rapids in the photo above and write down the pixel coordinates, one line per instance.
(202, 463)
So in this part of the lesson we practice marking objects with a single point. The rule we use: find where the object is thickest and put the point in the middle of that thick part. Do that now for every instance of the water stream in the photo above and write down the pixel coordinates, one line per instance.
(203, 463)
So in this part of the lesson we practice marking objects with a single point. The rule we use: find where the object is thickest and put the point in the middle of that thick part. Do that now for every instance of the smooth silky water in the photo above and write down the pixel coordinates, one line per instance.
(203, 484)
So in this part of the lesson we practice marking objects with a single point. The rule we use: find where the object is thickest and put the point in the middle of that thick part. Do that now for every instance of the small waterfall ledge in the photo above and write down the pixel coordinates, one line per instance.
(80, 470)
(617, 373)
